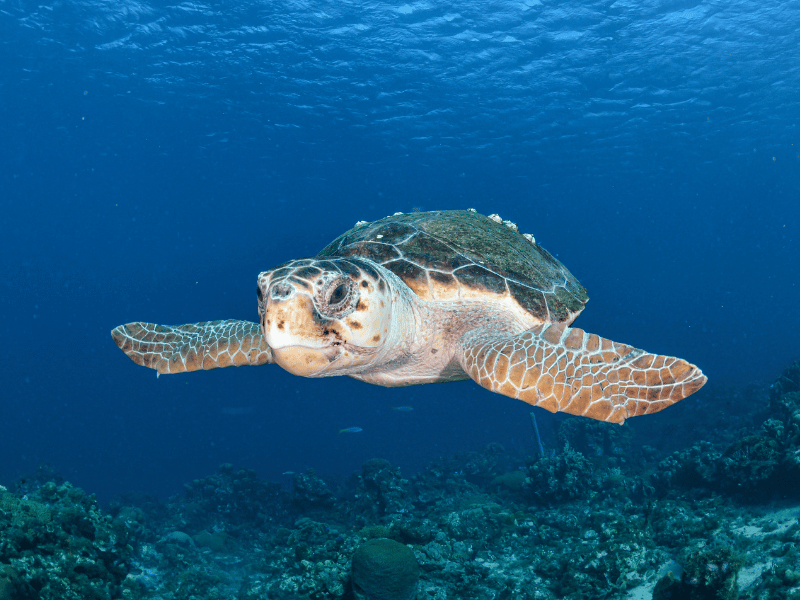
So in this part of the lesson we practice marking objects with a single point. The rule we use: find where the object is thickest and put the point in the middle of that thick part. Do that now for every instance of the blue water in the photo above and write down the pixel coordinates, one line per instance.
(156, 157)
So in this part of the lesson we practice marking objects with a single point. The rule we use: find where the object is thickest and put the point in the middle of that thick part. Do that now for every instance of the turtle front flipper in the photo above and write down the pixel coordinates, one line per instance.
(569, 370)
(181, 348)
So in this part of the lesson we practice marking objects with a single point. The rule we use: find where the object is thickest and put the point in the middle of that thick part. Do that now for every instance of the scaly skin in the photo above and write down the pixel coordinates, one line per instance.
(568, 370)
(194, 346)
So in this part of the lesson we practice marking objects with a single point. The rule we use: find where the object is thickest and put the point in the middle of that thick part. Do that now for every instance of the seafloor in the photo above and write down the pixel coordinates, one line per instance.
(603, 516)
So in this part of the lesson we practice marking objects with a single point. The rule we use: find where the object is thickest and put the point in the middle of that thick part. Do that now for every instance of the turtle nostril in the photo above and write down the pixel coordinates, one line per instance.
(281, 291)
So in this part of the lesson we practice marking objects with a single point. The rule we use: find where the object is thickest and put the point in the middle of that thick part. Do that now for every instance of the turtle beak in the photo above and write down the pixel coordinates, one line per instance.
(288, 317)
(289, 325)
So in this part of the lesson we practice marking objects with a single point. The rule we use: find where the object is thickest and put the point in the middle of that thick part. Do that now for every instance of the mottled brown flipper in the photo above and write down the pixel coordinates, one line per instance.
(195, 346)
(569, 370)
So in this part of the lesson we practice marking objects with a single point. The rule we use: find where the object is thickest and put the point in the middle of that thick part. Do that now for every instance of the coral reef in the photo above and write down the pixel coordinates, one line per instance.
(381, 491)
(761, 465)
(600, 517)
(707, 575)
(55, 543)
(606, 446)
(568, 475)
(311, 492)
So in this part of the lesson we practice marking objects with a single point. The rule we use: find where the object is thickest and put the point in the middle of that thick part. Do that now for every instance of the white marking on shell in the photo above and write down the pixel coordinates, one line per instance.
(360, 223)
(511, 225)
(529, 237)
(496, 218)
(379, 236)
(397, 213)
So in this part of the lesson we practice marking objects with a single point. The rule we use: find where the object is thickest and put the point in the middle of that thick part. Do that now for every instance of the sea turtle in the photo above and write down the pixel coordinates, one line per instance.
(423, 298)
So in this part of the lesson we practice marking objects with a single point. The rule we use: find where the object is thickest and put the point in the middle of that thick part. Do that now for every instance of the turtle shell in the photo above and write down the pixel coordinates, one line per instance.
(447, 256)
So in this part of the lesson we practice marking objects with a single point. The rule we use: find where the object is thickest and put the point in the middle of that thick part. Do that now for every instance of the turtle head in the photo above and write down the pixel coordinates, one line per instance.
(324, 316)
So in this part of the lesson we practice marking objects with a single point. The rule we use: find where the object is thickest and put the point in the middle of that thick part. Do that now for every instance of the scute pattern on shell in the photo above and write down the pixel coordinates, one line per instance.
(447, 255)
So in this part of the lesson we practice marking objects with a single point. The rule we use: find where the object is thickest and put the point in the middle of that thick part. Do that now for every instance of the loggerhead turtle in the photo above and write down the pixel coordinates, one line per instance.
(423, 298)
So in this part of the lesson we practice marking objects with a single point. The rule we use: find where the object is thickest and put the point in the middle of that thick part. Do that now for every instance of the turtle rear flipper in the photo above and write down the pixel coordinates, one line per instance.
(181, 348)
(566, 369)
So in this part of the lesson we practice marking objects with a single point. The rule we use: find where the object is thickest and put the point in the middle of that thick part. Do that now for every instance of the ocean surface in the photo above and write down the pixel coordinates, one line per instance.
(157, 156)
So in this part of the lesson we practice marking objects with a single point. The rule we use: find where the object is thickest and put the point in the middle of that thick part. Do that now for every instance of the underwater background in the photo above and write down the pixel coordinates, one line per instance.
(157, 156)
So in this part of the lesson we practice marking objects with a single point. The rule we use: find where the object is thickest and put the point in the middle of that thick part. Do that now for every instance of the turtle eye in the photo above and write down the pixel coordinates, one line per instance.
(338, 297)
(338, 294)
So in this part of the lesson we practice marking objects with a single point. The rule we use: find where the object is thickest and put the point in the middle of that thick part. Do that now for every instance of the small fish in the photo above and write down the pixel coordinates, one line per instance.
(403, 408)
(350, 430)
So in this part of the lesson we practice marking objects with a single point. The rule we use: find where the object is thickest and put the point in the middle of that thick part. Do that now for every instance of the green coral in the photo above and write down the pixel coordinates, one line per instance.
(384, 570)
